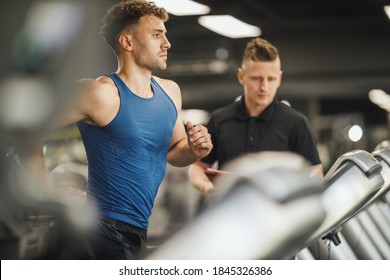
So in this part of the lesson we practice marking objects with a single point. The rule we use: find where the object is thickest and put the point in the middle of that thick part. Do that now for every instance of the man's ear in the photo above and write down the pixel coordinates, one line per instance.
(125, 41)
(280, 77)
(240, 75)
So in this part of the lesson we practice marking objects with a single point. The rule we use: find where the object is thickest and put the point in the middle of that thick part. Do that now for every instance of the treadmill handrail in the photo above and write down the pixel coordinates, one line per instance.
(383, 154)
(362, 159)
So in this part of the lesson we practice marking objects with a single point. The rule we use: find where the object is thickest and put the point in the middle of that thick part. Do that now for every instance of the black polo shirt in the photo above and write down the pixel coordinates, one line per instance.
(279, 128)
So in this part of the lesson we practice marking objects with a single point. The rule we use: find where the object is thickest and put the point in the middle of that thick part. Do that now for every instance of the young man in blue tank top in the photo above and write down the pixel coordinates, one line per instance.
(131, 125)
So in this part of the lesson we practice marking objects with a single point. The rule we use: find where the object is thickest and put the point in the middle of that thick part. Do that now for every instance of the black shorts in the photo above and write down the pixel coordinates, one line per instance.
(112, 239)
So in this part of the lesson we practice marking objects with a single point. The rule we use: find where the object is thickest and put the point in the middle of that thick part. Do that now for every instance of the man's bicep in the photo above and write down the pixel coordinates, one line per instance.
(178, 134)
(70, 114)
(81, 103)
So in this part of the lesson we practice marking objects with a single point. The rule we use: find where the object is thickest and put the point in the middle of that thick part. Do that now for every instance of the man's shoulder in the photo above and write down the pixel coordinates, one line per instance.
(97, 87)
(171, 88)
(166, 83)
(99, 97)
(226, 112)
(228, 109)
(287, 114)
(100, 82)
(285, 110)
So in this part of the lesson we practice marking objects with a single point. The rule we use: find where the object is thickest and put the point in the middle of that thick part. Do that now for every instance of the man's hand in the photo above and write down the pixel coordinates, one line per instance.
(199, 140)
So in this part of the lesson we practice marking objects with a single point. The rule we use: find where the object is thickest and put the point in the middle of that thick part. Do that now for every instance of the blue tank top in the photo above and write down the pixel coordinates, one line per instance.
(127, 157)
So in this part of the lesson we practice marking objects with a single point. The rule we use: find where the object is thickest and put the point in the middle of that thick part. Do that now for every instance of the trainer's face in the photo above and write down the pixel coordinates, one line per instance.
(151, 44)
(261, 81)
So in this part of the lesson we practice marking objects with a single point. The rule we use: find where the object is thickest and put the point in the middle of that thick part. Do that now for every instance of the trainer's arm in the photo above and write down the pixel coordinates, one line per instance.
(318, 170)
(199, 179)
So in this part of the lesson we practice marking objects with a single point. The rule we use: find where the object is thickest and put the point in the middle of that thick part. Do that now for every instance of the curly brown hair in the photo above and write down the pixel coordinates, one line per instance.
(126, 14)
(259, 49)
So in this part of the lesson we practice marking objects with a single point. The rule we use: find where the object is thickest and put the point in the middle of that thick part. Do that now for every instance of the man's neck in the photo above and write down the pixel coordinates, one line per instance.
(137, 80)
(254, 110)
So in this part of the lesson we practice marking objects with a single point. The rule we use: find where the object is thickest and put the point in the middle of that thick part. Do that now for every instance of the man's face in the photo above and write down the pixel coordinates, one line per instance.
(151, 44)
(261, 81)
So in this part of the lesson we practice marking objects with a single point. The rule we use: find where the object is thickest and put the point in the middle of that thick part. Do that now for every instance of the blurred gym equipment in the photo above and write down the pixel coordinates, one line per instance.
(264, 209)
(50, 48)
(352, 182)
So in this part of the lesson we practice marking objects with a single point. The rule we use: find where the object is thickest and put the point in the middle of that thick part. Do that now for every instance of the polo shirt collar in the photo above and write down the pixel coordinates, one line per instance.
(242, 114)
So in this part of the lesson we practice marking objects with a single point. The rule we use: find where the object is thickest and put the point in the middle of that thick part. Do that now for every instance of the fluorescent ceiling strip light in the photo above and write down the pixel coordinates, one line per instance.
(229, 26)
(182, 7)
(387, 10)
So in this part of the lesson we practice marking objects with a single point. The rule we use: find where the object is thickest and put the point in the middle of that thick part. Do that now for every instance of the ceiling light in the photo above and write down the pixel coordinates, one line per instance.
(182, 7)
(229, 26)
(387, 10)
(380, 98)
(355, 133)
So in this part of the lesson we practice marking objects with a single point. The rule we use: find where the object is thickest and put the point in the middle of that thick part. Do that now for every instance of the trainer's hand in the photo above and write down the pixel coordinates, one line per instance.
(208, 189)
(199, 140)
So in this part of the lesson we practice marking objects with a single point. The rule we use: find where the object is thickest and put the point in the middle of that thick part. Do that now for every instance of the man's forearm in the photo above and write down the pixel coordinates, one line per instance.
(181, 155)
